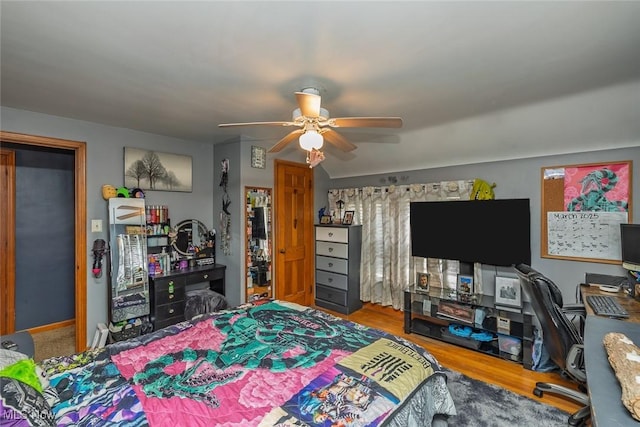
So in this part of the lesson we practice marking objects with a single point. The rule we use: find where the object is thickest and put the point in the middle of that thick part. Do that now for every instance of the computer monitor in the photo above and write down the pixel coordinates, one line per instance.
(630, 242)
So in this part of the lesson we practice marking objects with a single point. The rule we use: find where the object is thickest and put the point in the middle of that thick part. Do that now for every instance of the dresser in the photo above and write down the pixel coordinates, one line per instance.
(168, 291)
(338, 267)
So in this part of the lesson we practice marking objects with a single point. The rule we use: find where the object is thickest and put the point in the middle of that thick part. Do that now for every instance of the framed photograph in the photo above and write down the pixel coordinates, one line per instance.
(422, 282)
(464, 284)
(325, 219)
(508, 292)
(151, 170)
(348, 217)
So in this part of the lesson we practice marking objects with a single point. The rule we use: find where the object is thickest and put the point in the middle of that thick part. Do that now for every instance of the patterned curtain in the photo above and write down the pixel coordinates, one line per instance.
(387, 266)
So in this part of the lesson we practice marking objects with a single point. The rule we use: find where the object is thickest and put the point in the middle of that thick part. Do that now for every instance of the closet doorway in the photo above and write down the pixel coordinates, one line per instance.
(7, 236)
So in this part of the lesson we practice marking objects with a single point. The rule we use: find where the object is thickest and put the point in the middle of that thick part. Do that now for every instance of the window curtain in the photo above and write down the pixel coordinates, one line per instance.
(387, 266)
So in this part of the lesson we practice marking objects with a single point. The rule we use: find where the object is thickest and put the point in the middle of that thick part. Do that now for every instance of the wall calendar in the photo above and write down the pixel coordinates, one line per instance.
(585, 234)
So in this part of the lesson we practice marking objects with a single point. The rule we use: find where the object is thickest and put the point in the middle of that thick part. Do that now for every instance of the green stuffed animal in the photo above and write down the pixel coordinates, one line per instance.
(482, 190)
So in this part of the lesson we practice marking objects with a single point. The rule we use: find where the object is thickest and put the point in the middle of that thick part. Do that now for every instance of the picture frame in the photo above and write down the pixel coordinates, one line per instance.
(422, 282)
(348, 217)
(508, 292)
(325, 219)
(156, 171)
(464, 284)
(258, 157)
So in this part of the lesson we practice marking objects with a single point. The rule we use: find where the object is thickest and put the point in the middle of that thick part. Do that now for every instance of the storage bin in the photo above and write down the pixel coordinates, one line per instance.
(509, 344)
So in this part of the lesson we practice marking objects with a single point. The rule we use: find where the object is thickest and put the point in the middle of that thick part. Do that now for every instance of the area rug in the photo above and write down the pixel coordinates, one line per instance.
(485, 405)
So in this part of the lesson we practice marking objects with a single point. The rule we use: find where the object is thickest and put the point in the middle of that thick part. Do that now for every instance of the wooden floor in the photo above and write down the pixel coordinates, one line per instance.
(490, 369)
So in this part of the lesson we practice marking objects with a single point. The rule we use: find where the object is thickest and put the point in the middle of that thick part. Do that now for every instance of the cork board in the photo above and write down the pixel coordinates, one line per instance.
(582, 208)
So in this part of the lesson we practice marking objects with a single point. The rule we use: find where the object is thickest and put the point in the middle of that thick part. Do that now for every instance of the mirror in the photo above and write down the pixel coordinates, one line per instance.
(258, 249)
(191, 237)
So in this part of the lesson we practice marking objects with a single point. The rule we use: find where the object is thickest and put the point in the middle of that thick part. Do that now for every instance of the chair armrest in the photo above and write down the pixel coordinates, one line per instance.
(575, 363)
(577, 309)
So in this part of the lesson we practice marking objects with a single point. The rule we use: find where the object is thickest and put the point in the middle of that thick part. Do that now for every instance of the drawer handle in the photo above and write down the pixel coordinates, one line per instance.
(330, 264)
(331, 234)
(171, 310)
(330, 280)
(206, 275)
(330, 249)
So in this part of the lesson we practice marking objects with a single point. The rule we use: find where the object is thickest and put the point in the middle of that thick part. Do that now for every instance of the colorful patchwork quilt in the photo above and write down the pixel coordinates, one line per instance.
(263, 364)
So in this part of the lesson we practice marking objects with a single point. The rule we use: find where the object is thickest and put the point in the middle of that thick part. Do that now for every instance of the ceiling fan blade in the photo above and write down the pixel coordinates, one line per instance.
(336, 139)
(226, 125)
(365, 122)
(284, 141)
(309, 104)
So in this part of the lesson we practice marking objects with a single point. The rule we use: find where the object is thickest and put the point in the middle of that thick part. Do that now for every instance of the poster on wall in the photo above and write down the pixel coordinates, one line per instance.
(582, 209)
(156, 171)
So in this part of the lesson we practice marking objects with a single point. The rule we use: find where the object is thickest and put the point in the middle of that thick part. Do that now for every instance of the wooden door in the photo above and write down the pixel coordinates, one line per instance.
(7, 241)
(293, 222)
(80, 220)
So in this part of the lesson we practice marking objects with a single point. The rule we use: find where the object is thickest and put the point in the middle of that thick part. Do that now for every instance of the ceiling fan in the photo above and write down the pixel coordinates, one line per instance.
(315, 125)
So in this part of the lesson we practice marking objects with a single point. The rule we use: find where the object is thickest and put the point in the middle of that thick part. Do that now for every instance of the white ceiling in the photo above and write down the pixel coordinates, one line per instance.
(453, 70)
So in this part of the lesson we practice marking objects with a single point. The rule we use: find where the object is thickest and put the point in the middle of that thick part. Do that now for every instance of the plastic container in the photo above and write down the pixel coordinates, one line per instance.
(509, 344)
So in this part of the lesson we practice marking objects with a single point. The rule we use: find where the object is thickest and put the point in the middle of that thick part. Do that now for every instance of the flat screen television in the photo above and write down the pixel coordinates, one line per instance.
(630, 242)
(496, 232)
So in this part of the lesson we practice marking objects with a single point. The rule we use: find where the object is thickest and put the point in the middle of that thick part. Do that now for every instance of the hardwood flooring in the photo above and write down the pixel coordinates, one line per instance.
(490, 369)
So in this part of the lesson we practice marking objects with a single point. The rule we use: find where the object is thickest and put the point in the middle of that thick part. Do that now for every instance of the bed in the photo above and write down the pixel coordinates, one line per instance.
(270, 363)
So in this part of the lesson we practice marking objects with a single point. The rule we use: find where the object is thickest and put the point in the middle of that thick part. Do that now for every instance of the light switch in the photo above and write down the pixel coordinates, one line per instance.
(96, 226)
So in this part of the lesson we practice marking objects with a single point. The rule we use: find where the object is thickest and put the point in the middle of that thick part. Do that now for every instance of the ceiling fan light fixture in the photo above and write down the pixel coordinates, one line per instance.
(322, 117)
(311, 140)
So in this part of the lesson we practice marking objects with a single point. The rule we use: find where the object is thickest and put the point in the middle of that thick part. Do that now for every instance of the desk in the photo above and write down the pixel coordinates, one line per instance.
(627, 302)
(604, 389)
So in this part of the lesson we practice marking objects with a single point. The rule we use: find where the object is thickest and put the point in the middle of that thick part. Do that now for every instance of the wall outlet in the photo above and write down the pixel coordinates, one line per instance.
(96, 226)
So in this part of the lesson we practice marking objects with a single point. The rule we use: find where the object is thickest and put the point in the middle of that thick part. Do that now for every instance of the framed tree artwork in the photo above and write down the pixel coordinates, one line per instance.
(156, 171)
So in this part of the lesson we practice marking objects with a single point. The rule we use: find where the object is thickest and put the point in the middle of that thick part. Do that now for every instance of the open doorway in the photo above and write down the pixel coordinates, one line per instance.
(7, 239)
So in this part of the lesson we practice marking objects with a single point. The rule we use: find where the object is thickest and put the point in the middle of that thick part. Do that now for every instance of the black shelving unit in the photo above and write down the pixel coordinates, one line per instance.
(423, 315)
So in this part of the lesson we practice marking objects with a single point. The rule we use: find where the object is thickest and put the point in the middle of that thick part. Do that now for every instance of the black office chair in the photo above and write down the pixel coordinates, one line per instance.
(560, 337)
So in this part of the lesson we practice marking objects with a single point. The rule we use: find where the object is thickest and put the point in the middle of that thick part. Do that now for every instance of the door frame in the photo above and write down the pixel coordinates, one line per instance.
(7, 241)
(80, 216)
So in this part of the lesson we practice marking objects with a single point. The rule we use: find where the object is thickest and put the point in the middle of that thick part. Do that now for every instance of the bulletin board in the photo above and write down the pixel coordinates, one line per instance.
(582, 208)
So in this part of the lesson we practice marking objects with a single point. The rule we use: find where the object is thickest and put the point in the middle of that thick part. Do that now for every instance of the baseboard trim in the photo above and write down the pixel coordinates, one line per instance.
(52, 326)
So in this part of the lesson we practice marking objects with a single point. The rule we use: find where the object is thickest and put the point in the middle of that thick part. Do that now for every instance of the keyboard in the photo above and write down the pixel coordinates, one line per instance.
(605, 305)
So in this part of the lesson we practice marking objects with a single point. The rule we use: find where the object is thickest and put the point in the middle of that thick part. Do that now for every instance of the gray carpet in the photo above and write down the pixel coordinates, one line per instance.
(485, 405)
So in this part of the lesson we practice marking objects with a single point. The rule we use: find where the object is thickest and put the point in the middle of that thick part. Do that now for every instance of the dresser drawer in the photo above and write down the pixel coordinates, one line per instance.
(338, 281)
(174, 309)
(334, 265)
(205, 276)
(331, 294)
(338, 250)
(332, 234)
(165, 283)
(165, 296)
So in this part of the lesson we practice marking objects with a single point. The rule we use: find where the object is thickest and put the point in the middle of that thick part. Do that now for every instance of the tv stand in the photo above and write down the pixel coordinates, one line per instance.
(509, 334)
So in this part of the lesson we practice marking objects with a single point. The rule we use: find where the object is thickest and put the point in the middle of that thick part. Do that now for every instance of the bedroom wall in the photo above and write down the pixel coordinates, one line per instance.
(105, 154)
(521, 179)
